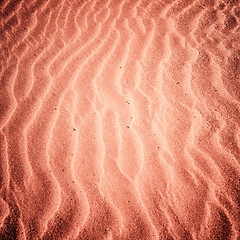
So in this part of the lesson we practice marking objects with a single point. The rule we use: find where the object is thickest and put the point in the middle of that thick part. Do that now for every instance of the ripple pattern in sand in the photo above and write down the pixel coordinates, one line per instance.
(120, 119)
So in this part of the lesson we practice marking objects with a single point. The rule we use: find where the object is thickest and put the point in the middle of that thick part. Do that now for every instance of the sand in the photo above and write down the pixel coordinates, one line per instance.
(120, 119)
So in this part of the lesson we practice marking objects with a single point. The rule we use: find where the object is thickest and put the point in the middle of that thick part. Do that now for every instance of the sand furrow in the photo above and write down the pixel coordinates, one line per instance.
(70, 194)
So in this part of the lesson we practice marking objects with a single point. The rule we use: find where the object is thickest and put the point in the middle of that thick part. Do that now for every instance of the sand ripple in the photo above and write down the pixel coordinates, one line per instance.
(120, 119)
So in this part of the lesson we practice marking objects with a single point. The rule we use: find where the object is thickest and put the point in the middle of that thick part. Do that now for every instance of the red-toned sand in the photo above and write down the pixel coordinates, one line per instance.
(120, 119)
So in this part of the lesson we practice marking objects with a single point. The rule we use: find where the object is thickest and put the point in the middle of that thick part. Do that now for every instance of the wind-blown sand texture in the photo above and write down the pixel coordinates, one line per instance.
(119, 119)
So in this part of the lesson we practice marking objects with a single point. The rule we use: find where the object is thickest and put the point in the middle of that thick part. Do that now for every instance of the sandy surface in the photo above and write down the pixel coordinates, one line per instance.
(119, 119)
